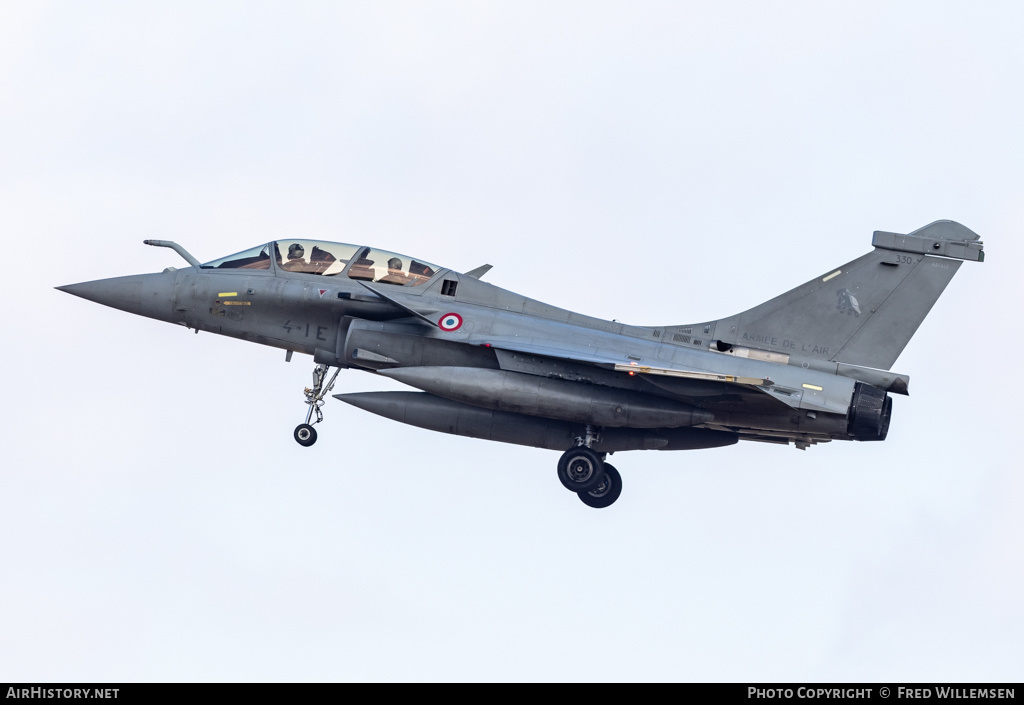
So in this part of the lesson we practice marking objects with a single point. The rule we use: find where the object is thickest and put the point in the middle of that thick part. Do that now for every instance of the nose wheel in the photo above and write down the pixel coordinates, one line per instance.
(305, 434)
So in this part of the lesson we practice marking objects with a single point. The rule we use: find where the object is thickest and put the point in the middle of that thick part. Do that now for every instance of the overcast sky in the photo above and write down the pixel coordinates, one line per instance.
(656, 163)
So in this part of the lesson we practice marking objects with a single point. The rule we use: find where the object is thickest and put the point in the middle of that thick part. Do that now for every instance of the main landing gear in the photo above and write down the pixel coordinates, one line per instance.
(582, 470)
(606, 492)
(305, 434)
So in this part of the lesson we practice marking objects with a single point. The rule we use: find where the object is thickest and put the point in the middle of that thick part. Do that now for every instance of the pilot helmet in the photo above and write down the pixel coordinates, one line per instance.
(295, 251)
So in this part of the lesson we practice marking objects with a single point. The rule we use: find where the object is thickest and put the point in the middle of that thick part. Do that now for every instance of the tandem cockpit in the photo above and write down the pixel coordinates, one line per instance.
(330, 259)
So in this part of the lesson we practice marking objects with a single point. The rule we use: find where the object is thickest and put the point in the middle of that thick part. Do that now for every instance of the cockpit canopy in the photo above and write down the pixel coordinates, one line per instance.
(330, 259)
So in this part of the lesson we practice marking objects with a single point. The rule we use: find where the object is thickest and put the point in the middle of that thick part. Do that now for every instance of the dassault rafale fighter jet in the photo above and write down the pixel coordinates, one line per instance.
(806, 367)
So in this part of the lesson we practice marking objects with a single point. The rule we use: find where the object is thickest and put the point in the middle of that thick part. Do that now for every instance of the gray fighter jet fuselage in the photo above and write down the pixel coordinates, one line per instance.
(806, 367)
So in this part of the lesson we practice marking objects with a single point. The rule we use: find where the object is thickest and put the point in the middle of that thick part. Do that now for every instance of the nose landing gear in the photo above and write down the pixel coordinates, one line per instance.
(305, 434)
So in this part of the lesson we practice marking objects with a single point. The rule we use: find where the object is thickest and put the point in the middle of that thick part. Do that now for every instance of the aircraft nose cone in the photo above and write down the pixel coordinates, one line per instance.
(120, 292)
(150, 295)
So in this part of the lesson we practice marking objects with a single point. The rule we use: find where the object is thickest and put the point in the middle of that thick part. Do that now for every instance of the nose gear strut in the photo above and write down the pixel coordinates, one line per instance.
(305, 434)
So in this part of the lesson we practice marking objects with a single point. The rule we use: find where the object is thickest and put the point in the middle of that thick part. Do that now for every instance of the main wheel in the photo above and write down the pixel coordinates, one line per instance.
(580, 469)
(606, 492)
(305, 435)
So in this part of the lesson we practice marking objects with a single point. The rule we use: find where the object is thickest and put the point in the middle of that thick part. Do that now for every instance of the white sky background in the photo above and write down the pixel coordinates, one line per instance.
(655, 163)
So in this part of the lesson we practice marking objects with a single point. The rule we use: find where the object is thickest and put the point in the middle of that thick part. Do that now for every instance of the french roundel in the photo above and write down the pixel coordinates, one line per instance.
(450, 322)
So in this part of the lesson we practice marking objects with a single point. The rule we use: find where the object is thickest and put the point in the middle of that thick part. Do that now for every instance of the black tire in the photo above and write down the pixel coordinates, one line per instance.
(305, 435)
(580, 469)
(606, 492)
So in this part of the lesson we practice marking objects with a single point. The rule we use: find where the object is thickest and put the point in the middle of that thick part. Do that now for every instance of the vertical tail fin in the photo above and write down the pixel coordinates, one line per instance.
(864, 312)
